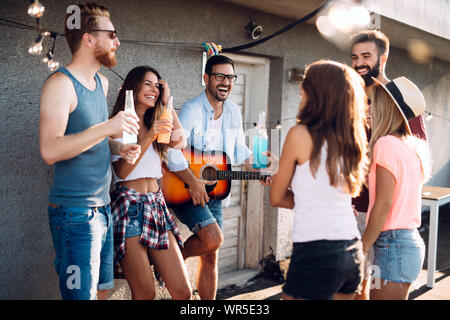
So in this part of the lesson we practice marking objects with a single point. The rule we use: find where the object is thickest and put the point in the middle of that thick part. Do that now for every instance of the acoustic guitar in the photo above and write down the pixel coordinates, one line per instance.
(214, 166)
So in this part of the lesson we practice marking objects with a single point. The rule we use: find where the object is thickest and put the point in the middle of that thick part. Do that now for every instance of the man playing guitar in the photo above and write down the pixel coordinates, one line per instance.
(211, 122)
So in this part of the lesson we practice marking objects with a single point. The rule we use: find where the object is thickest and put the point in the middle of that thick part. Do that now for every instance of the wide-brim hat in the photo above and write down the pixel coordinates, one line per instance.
(407, 97)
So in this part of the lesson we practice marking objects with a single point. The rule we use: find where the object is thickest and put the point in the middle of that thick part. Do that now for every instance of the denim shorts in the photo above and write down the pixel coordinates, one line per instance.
(136, 215)
(198, 217)
(319, 269)
(84, 246)
(399, 255)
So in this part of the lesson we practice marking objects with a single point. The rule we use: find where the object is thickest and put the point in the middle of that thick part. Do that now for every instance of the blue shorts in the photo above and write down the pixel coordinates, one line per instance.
(136, 215)
(198, 217)
(320, 269)
(399, 255)
(84, 245)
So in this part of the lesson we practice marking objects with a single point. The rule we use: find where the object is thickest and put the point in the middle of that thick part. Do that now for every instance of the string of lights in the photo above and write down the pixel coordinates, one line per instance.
(36, 10)
(38, 47)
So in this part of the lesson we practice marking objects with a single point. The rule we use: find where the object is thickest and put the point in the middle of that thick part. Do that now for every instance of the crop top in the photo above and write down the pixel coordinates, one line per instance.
(148, 167)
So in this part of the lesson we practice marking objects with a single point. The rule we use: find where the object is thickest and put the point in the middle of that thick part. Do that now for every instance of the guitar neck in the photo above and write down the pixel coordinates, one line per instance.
(240, 175)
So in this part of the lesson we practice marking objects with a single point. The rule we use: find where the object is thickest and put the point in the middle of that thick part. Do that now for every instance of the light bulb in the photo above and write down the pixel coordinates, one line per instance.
(340, 18)
(48, 57)
(360, 16)
(53, 65)
(36, 9)
(37, 47)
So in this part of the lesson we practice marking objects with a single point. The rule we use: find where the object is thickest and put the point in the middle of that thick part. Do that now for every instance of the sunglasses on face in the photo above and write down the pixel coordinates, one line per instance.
(112, 33)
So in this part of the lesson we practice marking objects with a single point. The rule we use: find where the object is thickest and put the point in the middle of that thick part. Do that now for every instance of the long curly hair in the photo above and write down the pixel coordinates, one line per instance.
(134, 81)
(335, 112)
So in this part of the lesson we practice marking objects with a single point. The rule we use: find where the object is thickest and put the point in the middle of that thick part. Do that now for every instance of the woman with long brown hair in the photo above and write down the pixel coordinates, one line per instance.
(144, 229)
(322, 165)
(400, 164)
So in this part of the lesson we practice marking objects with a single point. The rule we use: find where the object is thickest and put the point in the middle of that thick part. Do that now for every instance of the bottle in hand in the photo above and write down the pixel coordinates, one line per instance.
(260, 143)
(129, 138)
(166, 115)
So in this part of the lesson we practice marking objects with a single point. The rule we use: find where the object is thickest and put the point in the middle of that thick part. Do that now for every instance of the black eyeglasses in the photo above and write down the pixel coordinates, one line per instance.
(221, 76)
(112, 33)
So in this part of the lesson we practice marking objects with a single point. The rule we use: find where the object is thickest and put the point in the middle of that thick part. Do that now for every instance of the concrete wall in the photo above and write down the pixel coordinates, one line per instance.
(26, 251)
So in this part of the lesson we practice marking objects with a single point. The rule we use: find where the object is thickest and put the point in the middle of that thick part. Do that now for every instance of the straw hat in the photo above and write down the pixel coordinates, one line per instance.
(407, 97)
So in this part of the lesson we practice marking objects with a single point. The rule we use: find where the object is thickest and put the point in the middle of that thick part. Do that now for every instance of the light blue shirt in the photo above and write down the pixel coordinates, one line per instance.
(196, 117)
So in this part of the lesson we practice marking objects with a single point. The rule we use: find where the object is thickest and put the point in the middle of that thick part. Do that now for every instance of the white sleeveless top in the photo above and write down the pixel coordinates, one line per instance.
(148, 167)
(322, 212)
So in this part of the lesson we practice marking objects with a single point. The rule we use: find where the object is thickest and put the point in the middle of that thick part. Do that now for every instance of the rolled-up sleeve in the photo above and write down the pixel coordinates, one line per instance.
(176, 161)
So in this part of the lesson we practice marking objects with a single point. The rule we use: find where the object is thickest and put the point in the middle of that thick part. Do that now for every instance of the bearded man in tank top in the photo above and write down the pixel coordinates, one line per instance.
(74, 135)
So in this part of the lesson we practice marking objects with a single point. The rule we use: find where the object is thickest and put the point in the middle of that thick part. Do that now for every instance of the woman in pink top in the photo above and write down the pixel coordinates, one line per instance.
(399, 166)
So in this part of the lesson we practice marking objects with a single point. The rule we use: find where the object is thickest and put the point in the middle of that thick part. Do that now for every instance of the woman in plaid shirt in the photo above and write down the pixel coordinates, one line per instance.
(144, 229)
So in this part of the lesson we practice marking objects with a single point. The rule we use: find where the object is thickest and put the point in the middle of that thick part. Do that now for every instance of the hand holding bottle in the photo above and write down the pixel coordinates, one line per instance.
(167, 117)
(123, 121)
(129, 138)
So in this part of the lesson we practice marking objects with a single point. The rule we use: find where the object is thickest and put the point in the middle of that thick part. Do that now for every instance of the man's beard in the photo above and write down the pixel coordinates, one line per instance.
(218, 97)
(105, 57)
(373, 72)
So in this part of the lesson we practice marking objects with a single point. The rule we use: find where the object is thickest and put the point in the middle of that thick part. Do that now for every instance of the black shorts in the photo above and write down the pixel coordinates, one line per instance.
(319, 269)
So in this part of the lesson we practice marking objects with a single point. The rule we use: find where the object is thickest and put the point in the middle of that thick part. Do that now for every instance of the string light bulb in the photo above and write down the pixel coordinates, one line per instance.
(36, 9)
(51, 63)
(429, 116)
(37, 47)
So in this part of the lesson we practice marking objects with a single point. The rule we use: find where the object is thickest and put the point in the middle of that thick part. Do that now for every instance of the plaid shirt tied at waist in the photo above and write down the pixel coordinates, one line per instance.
(157, 220)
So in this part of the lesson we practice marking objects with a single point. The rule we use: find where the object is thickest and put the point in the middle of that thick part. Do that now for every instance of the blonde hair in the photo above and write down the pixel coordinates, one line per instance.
(335, 112)
(89, 13)
(387, 120)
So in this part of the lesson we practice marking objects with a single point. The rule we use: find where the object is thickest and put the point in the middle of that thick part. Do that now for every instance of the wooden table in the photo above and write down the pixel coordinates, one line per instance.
(434, 197)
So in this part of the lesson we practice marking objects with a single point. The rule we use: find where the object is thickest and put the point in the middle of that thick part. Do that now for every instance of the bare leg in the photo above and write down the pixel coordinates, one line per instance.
(206, 240)
(137, 270)
(391, 291)
(102, 294)
(171, 267)
(365, 291)
(205, 244)
(288, 297)
(207, 275)
(343, 296)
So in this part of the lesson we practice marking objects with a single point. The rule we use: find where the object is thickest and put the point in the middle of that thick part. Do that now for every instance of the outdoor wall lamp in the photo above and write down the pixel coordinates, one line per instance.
(296, 75)
(254, 30)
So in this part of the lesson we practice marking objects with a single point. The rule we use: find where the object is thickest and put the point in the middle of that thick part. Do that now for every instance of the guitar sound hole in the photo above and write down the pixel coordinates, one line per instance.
(209, 174)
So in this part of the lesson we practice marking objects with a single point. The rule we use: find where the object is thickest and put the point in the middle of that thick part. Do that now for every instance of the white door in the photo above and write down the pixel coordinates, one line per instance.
(250, 93)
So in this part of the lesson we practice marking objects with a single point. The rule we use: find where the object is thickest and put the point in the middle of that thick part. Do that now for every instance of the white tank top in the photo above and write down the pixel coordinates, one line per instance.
(148, 167)
(322, 212)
